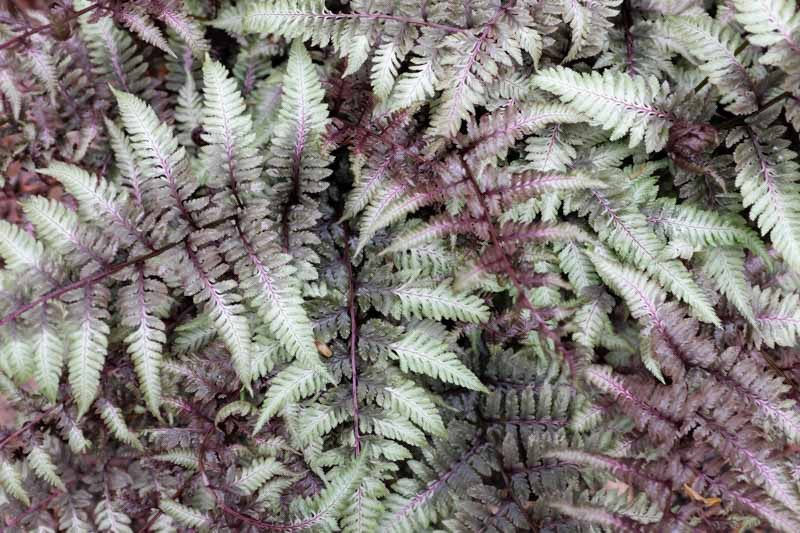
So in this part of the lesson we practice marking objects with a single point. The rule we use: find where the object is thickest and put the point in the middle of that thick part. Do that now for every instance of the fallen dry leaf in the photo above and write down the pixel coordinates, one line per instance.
(695, 496)
(323, 349)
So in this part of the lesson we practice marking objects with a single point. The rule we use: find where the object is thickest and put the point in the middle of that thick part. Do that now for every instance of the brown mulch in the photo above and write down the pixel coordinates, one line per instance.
(20, 183)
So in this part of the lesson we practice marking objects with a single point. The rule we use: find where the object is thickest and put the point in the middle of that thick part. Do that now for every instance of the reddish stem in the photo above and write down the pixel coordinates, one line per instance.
(511, 273)
(26, 427)
(97, 276)
(351, 306)
(33, 31)
(30, 511)
(627, 21)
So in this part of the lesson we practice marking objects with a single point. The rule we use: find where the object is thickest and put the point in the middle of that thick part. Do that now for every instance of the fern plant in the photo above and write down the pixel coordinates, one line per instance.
(400, 266)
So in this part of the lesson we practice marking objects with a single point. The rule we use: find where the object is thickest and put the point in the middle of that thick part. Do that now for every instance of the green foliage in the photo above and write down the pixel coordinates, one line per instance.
(613, 101)
(44, 468)
(717, 48)
(766, 175)
(255, 475)
(184, 515)
(12, 483)
(438, 302)
(423, 349)
(400, 266)
(109, 519)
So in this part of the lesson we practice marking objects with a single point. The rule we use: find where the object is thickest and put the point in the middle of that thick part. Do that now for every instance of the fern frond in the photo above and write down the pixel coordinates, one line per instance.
(366, 185)
(319, 420)
(643, 297)
(98, 197)
(60, 229)
(289, 385)
(189, 116)
(706, 230)
(20, 251)
(630, 235)
(9, 89)
(767, 391)
(157, 151)
(266, 280)
(326, 507)
(763, 470)
(500, 130)
(606, 519)
(391, 425)
(234, 408)
(42, 64)
(777, 317)
(613, 101)
(87, 345)
(419, 350)
(415, 403)
(767, 175)
(298, 160)
(11, 481)
(578, 266)
(771, 23)
(144, 302)
(303, 110)
(523, 186)
(437, 303)
(113, 53)
(230, 157)
(44, 468)
(415, 85)
(221, 300)
(464, 90)
(590, 22)
(115, 422)
(109, 519)
(78, 443)
(48, 351)
(184, 515)
(436, 228)
(310, 20)
(475, 60)
(250, 479)
(591, 321)
(16, 356)
(187, 28)
(231, 18)
(291, 19)
(715, 46)
(136, 19)
(725, 267)
(365, 508)
(194, 334)
(646, 417)
(550, 151)
(385, 65)
(183, 457)
(389, 205)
